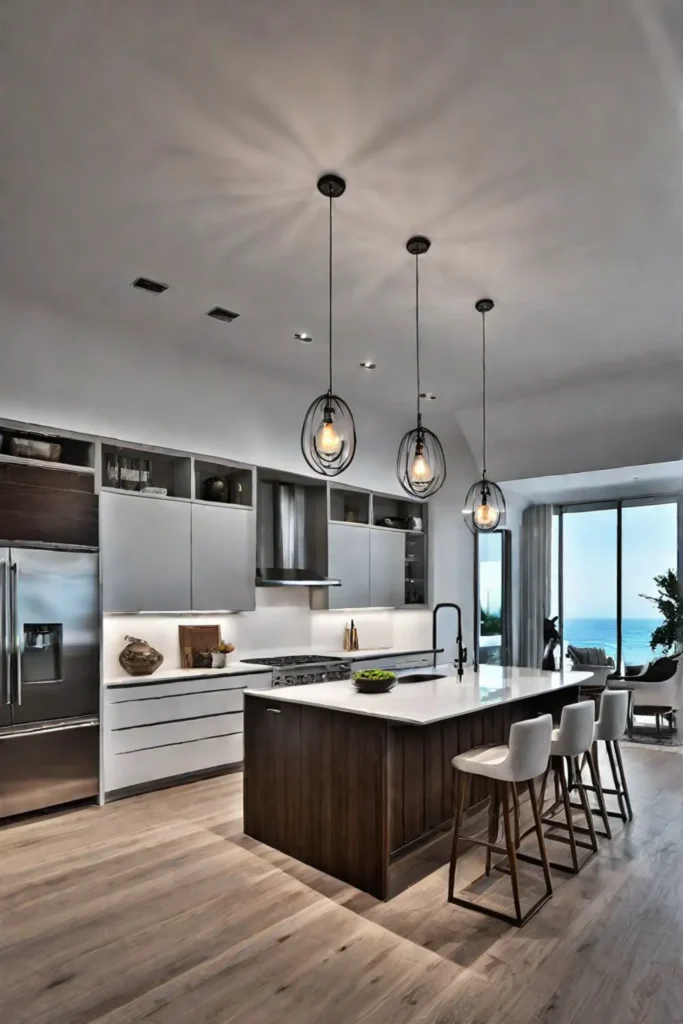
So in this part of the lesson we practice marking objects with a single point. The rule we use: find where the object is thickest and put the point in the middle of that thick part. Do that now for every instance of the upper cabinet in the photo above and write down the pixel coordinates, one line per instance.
(376, 545)
(348, 548)
(387, 571)
(177, 533)
(223, 558)
(145, 553)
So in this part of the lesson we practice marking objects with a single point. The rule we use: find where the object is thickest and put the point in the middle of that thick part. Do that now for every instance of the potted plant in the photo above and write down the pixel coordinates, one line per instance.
(219, 654)
(669, 603)
(374, 680)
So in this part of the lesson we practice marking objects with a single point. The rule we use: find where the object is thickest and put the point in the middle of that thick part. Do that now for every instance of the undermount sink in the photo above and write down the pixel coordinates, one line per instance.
(420, 677)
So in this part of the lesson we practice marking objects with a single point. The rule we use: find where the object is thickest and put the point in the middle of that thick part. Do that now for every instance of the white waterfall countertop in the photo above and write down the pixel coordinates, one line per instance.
(433, 701)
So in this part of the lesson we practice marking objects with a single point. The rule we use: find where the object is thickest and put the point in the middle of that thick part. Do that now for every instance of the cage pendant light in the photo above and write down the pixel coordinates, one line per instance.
(421, 463)
(328, 434)
(484, 509)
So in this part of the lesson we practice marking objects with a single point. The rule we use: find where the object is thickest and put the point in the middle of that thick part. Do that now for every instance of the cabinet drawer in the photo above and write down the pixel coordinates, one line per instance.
(153, 710)
(135, 769)
(144, 737)
(193, 684)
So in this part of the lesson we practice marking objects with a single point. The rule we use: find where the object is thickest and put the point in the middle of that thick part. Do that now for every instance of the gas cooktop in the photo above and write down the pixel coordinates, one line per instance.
(299, 669)
(293, 659)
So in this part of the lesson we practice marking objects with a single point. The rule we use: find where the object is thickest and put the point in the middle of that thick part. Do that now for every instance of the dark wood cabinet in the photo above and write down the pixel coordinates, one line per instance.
(352, 794)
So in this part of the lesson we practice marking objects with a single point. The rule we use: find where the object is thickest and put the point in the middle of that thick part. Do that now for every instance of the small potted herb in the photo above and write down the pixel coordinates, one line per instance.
(374, 680)
(219, 654)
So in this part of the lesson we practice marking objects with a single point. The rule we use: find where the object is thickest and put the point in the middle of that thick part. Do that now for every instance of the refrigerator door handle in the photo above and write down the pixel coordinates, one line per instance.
(42, 728)
(6, 649)
(17, 632)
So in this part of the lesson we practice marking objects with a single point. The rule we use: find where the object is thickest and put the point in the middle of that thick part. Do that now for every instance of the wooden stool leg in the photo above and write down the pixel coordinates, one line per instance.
(568, 814)
(600, 795)
(515, 800)
(541, 802)
(493, 823)
(624, 783)
(586, 807)
(541, 838)
(460, 787)
(617, 782)
(511, 850)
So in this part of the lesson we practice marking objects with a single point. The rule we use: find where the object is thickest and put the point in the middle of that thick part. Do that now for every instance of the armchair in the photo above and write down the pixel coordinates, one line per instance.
(657, 689)
(592, 659)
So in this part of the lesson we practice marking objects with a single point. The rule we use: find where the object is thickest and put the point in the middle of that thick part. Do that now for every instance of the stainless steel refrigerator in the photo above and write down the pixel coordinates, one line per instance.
(49, 678)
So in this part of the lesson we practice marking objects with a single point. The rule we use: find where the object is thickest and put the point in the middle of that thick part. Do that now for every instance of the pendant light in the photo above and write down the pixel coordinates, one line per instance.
(328, 434)
(421, 463)
(484, 509)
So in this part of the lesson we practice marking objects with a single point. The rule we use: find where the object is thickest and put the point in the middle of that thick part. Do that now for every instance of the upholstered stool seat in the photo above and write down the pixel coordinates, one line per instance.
(522, 761)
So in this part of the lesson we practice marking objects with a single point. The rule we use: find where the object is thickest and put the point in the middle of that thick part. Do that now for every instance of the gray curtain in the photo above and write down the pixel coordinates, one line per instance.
(537, 521)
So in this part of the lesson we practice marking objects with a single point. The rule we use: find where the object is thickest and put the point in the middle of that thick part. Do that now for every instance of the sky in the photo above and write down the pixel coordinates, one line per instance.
(590, 559)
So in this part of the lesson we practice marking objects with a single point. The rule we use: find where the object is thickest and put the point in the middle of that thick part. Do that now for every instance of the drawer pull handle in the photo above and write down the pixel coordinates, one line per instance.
(274, 711)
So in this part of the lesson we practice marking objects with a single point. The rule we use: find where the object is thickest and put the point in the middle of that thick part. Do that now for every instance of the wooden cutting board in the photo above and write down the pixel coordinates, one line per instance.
(194, 639)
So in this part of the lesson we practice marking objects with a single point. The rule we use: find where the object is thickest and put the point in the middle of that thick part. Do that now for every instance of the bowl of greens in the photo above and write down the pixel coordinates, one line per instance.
(374, 680)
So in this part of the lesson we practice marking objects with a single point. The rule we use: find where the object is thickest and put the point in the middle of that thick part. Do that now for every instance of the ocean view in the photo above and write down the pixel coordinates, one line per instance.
(603, 633)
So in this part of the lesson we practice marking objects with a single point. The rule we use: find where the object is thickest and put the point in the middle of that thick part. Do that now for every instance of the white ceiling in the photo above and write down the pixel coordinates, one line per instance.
(664, 478)
(538, 143)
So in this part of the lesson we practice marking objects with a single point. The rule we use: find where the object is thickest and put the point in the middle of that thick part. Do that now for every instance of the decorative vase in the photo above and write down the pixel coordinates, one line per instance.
(218, 659)
(139, 658)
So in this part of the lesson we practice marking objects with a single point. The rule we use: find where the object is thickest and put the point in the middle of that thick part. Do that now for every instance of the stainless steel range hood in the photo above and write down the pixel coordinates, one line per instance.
(287, 538)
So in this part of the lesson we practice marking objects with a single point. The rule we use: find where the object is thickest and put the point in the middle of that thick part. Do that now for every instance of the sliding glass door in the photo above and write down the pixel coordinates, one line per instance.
(649, 550)
(606, 559)
(493, 586)
(589, 599)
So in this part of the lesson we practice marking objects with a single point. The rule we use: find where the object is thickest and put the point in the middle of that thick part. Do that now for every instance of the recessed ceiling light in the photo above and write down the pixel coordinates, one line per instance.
(367, 365)
(303, 336)
(429, 395)
(148, 285)
(219, 313)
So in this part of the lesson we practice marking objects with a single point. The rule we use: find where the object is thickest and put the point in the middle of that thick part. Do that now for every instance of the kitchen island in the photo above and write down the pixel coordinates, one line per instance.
(352, 783)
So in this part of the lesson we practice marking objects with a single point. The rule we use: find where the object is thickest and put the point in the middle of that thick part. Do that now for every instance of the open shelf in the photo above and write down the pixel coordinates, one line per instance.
(398, 513)
(220, 483)
(134, 469)
(347, 506)
(66, 467)
(30, 448)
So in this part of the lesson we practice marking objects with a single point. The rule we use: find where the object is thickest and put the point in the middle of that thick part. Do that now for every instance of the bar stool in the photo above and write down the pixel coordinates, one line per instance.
(609, 728)
(523, 760)
(573, 740)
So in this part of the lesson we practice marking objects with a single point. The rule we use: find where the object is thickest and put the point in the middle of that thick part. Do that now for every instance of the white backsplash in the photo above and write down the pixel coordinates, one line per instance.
(282, 623)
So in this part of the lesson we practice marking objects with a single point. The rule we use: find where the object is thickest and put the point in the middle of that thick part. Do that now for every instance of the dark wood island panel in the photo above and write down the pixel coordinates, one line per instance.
(349, 794)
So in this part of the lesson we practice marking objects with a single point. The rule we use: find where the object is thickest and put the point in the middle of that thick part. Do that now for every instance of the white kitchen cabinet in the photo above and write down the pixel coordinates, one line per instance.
(154, 732)
(387, 569)
(348, 553)
(145, 553)
(223, 558)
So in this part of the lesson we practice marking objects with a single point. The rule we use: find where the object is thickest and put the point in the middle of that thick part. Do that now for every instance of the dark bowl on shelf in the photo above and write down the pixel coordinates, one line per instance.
(374, 680)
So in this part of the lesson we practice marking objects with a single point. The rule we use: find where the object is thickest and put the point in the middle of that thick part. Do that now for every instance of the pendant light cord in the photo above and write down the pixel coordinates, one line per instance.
(483, 402)
(330, 294)
(417, 331)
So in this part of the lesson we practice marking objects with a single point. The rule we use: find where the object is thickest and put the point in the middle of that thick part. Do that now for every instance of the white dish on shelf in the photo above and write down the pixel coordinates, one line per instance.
(160, 491)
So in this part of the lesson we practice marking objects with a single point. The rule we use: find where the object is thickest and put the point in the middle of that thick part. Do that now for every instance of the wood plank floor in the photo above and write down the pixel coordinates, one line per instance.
(159, 909)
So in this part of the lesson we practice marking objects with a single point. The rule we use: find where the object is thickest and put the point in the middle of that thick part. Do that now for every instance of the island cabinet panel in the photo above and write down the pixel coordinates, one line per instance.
(315, 788)
(420, 769)
(352, 794)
